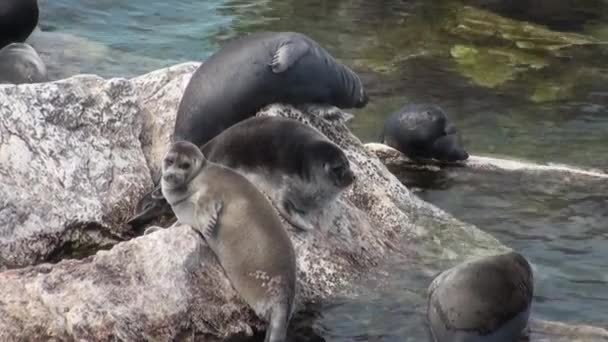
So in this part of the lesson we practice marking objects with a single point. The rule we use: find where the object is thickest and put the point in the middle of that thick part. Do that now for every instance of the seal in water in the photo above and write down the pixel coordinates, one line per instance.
(259, 69)
(301, 170)
(18, 18)
(241, 228)
(19, 63)
(423, 132)
(485, 299)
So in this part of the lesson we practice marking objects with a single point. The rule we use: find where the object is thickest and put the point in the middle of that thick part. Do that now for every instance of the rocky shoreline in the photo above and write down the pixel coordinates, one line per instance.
(80, 152)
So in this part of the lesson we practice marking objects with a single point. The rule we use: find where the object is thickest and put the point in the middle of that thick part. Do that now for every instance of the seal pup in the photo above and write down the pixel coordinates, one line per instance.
(18, 18)
(299, 168)
(423, 132)
(241, 228)
(20, 63)
(485, 299)
(259, 69)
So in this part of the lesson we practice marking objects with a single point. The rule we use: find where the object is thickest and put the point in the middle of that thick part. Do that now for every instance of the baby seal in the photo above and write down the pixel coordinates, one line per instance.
(423, 132)
(486, 299)
(19, 63)
(301, 170)
(298, 167)
(259, 69)
(241, 228)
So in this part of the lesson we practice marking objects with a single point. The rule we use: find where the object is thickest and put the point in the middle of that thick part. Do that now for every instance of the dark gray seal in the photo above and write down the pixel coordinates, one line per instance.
(300, 169)
(241, 228)
(482, 300)
(259, 69)
(423, 132)
(20, 63)
(18, 18)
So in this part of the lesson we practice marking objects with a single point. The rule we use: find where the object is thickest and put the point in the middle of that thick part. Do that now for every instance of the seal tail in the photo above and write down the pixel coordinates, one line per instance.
(277, 329)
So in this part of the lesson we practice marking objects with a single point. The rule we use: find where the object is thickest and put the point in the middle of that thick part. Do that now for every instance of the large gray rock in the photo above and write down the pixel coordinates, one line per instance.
(72, 165)
(76, 169)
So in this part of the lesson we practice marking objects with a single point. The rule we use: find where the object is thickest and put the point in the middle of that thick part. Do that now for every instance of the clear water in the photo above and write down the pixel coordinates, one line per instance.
(507, 99)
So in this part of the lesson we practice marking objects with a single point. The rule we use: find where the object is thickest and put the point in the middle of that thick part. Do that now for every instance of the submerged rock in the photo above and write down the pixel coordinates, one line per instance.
(76, 157)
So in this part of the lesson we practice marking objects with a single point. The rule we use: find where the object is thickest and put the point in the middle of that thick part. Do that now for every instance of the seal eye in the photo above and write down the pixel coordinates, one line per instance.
(184, 166)
(338, 170)
(169, 161)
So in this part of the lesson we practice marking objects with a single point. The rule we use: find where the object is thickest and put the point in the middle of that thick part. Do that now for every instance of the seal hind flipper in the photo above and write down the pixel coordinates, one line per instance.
(277, 325)
(148, 209)
(288, 54)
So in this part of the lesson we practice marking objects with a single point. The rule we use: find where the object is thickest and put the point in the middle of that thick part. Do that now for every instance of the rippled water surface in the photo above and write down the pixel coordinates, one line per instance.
(539, 94)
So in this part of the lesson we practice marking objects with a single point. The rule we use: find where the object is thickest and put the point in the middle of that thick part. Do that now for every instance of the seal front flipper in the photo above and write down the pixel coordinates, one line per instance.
(294, 216)
(288, 54)
(211, 219)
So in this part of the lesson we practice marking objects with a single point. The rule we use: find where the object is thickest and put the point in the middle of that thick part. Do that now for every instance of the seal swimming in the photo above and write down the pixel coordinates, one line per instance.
(482, 300)
(423, 132)
(301, 170)
(259, 69)
(241, 228)
(18, 18)
(20, 63)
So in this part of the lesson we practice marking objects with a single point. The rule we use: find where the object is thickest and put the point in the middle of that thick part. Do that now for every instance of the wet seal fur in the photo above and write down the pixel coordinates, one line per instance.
(423, 132)
(20, 63)
(482, 300)
(259, 69)
(301, 170)
(241, 228)
(18, 18)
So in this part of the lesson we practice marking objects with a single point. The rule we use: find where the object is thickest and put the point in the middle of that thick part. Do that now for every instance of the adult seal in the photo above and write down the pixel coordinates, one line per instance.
(485, 299)
(259, 69)
(241, 228)
(300, 169)
(20, 63)
(423, 132)
(18, 18)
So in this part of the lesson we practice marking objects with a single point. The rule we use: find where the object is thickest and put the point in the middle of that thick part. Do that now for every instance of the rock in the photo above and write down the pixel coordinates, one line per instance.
(137, 291)
(159, 93)
(396, 160)
(80, 153)
(72, 165)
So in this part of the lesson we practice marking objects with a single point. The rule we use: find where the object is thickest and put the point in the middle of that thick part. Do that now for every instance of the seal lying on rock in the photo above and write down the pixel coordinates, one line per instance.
(259, 69)
(298, 167)
(486, 299)
(423, 132)
(19, 63)
(18, 18)
(240, 226)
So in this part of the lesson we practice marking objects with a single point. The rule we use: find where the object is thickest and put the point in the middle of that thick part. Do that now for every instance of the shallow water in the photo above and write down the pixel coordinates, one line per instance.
(509, 95)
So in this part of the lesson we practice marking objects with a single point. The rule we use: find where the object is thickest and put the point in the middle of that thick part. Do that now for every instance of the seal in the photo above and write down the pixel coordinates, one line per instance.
(485, 299)
(20, 63)
(259, 69)
(241, 228)
(18, 18)
(299, 168)
(423, 132)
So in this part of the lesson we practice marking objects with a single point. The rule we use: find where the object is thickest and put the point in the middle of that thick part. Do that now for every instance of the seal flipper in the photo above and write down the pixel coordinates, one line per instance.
(151, 206)
(294, 216)
(288, 54)
(211, 219)
(277, 327)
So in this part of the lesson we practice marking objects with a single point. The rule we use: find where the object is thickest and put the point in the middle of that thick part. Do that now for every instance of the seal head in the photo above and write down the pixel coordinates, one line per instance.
(423, 132)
